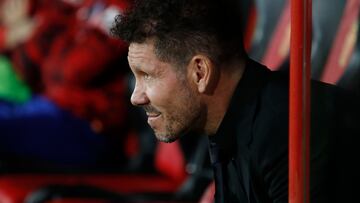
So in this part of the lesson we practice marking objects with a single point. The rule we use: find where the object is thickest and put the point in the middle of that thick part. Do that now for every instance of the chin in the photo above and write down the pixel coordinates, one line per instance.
(166, 138)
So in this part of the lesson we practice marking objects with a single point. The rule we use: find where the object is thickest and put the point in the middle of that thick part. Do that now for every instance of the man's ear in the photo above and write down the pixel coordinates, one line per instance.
(202, 73)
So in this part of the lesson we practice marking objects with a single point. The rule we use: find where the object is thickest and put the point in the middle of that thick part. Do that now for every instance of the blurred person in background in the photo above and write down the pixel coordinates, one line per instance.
(15, 28)
(76, 112)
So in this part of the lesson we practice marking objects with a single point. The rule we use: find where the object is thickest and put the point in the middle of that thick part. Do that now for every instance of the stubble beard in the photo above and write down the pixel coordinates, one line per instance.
(182, 120)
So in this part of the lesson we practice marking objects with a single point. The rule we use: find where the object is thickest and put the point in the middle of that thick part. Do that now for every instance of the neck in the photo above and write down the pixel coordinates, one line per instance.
(218, 103)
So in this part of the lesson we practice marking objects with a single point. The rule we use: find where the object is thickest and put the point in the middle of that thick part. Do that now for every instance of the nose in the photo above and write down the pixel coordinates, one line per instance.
(139, 97)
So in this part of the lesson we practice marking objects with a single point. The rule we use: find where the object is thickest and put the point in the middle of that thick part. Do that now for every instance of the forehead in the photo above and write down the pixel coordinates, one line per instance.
(142, 56)
(139, 52)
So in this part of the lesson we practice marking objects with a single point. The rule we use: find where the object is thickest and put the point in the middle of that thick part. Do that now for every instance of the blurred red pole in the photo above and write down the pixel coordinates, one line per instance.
(299, 101)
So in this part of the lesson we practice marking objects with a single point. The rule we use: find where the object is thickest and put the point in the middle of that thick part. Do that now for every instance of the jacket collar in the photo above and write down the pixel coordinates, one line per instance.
(236, 126)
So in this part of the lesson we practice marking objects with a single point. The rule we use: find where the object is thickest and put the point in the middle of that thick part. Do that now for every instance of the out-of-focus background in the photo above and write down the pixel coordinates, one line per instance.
(68, 133)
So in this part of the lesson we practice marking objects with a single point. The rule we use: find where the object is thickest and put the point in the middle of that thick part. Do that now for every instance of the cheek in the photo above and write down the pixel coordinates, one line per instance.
(158, 97)
(163, 93)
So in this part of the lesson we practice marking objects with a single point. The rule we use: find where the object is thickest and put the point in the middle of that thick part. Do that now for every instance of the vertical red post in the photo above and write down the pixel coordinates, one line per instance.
(299, 101)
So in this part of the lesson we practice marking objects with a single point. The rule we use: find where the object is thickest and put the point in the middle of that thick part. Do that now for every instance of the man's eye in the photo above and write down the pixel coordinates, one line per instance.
(146, 76)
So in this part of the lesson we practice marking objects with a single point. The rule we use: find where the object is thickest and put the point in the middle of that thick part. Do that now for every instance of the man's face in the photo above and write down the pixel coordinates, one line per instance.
(165, 93)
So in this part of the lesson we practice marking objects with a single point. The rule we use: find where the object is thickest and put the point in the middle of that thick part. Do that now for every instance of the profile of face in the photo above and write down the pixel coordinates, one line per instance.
(165, 93)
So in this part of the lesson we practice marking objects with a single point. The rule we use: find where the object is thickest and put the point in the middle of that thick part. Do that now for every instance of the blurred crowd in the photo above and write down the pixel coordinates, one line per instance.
(63, 87)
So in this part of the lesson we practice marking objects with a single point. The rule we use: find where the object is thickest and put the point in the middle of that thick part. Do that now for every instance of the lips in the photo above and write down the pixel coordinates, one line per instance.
(152, 118)
(152, 115)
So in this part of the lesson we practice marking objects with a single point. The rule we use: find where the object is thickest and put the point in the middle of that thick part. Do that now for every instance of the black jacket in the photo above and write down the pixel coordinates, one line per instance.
(250, 148)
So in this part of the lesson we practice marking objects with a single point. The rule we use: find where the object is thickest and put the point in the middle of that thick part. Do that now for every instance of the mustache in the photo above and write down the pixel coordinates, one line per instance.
(151, 109)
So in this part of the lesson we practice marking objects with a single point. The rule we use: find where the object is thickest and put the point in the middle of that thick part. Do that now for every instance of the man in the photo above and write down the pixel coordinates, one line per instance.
(192, 75)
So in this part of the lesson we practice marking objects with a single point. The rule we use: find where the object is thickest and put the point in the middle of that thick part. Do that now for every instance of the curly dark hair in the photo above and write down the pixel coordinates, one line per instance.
(183, 28)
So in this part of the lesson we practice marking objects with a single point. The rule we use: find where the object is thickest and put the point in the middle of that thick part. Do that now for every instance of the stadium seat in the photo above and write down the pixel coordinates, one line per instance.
(268, 15)
(279, 45)
(351, 77)
(345, 50)
(326, 20)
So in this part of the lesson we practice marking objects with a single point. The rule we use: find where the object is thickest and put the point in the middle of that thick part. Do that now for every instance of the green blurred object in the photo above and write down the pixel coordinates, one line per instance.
(11, 87)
